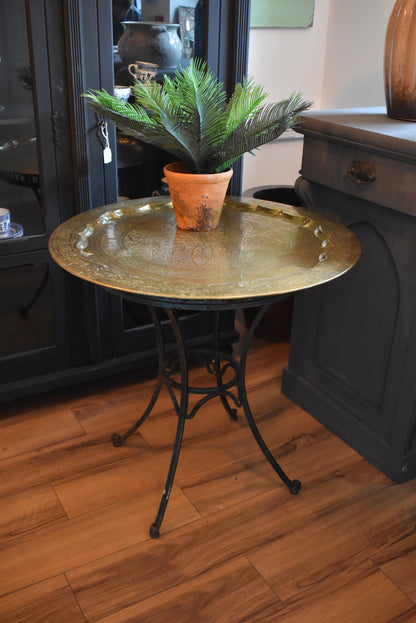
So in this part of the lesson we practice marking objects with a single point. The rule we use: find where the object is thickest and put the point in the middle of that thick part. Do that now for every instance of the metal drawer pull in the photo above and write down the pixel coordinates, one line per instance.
(362, 172)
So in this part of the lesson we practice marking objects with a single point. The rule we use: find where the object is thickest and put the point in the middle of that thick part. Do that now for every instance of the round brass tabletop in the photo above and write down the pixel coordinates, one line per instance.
(260, 249)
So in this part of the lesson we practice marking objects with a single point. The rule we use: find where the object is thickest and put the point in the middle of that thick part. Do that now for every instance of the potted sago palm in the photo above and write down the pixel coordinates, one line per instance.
(190, 118)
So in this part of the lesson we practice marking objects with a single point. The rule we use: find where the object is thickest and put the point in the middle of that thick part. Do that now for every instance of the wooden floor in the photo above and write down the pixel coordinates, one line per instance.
(235, 545)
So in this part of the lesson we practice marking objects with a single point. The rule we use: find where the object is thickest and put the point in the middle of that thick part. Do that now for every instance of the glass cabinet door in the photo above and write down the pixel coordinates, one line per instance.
(33, 297)
(26, 303)
(20, 191)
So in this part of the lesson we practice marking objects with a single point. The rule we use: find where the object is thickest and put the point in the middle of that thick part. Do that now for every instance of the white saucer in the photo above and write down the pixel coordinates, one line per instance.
(15, 231)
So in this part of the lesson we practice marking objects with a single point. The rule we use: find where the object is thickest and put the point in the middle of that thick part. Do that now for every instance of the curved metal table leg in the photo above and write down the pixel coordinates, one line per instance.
(294, 486)
(181, 413)
(116, 439)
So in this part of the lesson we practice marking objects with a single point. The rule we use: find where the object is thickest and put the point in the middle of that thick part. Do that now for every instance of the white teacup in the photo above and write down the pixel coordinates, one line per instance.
(142, 71)
(121, 92)
(4, 221)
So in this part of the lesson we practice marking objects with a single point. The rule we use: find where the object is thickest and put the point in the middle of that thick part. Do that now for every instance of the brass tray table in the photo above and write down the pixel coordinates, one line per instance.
(260, 252)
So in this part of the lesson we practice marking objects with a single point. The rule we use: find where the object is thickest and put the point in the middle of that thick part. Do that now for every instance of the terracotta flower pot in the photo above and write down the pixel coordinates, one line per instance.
(197, 198)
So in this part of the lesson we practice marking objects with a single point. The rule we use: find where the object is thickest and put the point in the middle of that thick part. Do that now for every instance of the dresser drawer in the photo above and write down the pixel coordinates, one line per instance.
(375, 177)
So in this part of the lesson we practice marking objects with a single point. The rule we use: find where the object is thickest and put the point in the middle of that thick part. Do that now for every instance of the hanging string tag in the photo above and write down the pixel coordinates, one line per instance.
(107, 155)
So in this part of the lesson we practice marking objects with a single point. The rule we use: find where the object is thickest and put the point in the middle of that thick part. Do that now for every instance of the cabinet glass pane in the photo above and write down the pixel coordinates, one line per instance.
(167, 34)
(26, 309)
(19, 167)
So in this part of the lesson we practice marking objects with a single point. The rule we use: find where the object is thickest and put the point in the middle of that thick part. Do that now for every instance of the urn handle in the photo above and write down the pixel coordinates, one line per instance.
(362, 172)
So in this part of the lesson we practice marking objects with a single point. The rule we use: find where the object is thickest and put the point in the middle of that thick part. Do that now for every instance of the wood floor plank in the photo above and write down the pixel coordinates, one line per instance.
(113, 413)
(64, 459)
(34, 433)
(357, 595)
(80, 494)
(315, 451)
(224, 595)
(406, 617)
(51, 600)
(342, 549)
(27, 510)
(120, 482)
(374, 523)
(30, 408)
(108, 585)
(112, 584)
(51, 551)
(398, 562)
(113, 485)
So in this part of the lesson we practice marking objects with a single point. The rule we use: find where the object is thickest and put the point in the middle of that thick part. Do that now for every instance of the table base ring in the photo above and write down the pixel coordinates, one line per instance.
(217, 364)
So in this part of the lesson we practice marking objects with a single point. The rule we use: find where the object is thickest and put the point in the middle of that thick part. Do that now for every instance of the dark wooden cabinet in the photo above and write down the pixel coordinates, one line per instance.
(353, 348)
(55, 329)
(36, 183)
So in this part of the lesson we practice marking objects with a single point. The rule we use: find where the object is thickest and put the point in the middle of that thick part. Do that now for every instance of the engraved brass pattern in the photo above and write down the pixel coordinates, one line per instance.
(259, 249)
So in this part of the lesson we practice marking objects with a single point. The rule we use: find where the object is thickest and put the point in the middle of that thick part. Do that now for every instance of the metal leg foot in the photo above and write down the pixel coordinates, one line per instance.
(154, 531)
(116, 440)
(295, 487)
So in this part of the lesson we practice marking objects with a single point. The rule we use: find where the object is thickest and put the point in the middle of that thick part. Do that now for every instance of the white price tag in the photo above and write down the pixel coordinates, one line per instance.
(107, 155)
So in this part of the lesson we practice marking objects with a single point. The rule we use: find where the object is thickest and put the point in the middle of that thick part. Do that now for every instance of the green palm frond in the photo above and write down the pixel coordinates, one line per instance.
(243, 103)
(155, 127)
(268, 124)
(190, 118)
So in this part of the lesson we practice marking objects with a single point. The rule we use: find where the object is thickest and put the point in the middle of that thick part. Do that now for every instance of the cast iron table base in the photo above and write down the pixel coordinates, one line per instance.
(218, 364)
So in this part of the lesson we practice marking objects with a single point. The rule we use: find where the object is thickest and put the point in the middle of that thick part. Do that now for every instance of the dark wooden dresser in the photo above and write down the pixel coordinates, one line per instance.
(353, 347)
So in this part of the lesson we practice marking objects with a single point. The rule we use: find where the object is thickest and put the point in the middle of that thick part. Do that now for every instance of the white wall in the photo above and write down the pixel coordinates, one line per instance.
(285, 60)
(167, 8)
(354, 60)
(337, 63)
